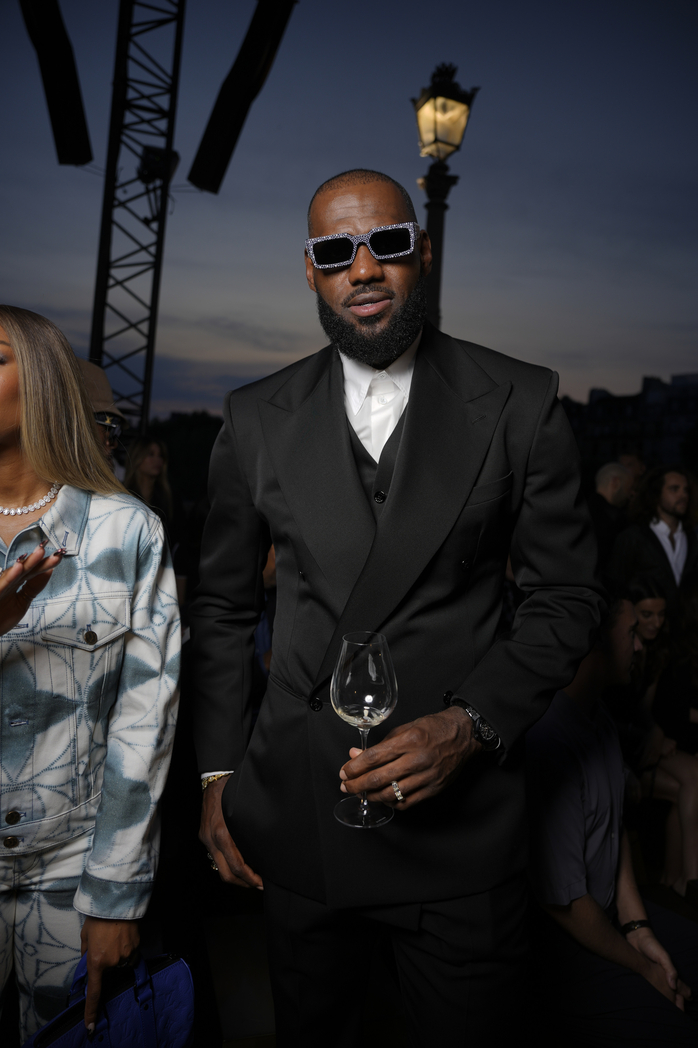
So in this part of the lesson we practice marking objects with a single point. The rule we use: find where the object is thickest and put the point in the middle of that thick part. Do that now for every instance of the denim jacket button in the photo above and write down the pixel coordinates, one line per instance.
(90, 637)
(12, 818)
(11, 842)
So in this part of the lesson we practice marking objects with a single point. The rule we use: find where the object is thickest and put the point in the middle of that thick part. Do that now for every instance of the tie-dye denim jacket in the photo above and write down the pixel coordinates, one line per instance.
(88, 696)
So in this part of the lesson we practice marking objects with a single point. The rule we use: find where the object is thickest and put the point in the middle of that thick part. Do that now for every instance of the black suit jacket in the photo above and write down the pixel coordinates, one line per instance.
(637, 551)
(487, 463)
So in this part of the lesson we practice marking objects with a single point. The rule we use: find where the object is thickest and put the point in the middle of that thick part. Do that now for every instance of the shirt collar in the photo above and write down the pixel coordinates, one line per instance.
(358, 377)
(64, 521)
(660, 527)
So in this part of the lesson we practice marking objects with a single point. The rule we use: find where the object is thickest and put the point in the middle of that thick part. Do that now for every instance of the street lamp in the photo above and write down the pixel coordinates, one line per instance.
(442, 112)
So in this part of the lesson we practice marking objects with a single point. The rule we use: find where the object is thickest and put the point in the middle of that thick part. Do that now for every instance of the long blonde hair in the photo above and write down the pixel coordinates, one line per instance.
(57, 428)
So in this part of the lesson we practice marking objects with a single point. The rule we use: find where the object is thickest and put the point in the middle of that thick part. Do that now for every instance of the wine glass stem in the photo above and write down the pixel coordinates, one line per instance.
(363, 732)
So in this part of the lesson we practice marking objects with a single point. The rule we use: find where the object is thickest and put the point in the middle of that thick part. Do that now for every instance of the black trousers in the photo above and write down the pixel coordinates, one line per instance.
(458, 964)
(579, 999)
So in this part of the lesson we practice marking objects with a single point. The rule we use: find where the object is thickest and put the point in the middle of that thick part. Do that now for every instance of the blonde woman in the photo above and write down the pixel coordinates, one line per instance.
(88, 683)
(146, 475)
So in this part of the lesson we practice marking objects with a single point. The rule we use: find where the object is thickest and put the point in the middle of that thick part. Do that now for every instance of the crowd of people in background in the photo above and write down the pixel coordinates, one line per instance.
(647, 544)
(621, 736)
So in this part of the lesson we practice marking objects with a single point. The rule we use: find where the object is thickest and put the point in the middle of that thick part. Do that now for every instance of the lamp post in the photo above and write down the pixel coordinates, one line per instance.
(442, 112)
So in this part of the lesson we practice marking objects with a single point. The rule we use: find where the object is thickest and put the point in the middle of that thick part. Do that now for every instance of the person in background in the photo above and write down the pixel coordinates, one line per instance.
(610, 968)
(676, 701)
(107, 416)
(606, 504)
(630, 458)
(663, 770)
(146, 478)
(88, 684)
(661, 541)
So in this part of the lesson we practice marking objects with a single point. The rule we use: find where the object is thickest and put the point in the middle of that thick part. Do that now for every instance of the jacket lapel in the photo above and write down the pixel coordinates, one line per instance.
(452, 414)
(305, 430)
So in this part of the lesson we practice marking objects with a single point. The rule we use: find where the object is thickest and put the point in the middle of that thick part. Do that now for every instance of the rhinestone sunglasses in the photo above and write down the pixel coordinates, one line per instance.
(384, 242)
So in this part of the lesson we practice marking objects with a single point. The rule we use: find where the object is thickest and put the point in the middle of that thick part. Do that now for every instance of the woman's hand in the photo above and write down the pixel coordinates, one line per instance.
(31, 572)
(108, 944)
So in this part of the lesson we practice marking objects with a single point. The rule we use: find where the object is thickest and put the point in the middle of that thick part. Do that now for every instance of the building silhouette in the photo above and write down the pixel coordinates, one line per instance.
(660, 423)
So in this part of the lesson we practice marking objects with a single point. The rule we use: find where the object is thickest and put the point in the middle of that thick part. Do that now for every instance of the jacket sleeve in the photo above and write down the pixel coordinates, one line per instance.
(228, 604)
(118, 877)
(553, 555)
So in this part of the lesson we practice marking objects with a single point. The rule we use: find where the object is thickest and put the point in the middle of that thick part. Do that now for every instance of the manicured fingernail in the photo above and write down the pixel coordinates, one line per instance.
(342, 774)
(21, 560)
(44, 544)
(343, 788)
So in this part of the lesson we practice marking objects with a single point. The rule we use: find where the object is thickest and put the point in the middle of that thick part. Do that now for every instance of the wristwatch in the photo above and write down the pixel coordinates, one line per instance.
(485, 735)
(632, 926)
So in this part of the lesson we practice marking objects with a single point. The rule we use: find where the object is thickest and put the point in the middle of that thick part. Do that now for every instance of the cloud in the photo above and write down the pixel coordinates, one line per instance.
(188, 385)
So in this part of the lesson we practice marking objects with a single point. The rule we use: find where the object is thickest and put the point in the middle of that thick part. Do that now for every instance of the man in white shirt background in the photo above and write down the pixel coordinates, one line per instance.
(661, 541)
(393, 471)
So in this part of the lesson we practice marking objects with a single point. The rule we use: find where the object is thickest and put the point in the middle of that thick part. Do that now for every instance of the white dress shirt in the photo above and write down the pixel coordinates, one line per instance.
(374, 401)
(675, 547)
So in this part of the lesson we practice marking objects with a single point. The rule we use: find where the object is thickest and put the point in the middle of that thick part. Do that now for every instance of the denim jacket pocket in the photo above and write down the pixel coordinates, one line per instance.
(88, 622)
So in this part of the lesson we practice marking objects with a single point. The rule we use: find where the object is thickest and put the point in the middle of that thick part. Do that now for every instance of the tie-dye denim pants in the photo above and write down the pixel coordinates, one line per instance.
(40, 928)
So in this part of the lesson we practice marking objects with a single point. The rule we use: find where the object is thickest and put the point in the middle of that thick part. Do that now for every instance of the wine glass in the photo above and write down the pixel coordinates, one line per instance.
(364, 693)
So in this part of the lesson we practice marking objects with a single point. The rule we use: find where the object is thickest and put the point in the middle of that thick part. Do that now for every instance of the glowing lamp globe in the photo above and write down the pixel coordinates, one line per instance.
(442, 112)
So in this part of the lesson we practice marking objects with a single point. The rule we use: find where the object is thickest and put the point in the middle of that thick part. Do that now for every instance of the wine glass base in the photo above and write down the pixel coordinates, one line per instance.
(352, 812)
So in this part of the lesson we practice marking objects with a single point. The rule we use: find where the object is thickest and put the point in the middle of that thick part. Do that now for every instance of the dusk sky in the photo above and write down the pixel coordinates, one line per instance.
(571, 236)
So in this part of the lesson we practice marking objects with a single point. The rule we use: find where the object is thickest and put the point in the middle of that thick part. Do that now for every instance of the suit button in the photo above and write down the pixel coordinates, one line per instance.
(465, 565)
(12, 818)
(301, 575)
(379, 497)
(11, 842)
(448, 695)
(90, 637)
(315, 704)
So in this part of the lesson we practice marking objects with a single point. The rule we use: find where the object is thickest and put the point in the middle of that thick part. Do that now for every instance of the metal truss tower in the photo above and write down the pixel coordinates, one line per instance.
(140, 165)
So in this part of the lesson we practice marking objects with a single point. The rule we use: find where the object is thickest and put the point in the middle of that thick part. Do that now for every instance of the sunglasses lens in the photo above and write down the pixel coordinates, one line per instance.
(391, 242)
(334, 252)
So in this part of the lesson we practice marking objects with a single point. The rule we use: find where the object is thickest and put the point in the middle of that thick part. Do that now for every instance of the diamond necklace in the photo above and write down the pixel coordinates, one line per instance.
(39, 504)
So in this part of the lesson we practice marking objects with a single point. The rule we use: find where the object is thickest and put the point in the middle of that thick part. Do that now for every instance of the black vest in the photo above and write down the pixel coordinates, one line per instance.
(376, 477)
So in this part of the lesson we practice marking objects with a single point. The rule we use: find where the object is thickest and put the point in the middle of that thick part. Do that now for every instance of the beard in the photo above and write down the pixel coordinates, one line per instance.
(366, 345)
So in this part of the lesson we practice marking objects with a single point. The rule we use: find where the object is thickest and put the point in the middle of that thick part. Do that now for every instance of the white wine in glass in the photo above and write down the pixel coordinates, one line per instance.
(364, 693)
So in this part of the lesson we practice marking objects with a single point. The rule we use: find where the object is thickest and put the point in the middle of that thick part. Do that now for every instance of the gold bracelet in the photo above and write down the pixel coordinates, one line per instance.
(213, 778)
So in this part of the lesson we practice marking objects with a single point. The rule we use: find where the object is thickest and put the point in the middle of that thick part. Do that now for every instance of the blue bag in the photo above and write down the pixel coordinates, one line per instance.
(150, 1005)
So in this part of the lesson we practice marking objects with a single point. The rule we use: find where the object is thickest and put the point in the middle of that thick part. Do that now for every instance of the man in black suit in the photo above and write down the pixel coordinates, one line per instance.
(393, 471)
(613, 486)
(661, 542)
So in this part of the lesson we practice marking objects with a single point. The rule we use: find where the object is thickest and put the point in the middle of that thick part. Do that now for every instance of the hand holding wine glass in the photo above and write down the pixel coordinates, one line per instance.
(364, 693)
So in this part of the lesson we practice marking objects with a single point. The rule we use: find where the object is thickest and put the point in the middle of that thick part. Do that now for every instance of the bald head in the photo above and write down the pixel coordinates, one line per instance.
(614, 483)
(359, 176)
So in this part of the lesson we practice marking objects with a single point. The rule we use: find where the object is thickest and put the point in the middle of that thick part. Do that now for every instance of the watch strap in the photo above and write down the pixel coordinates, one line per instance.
(485, 735)
(632, 926)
